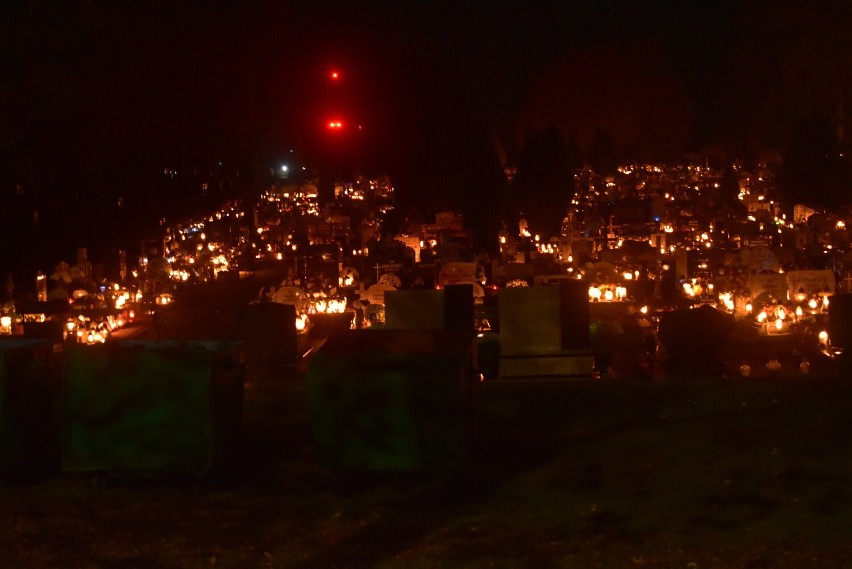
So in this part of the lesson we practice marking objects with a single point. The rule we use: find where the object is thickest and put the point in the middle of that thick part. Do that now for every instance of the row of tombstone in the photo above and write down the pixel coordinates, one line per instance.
(544, 331)
(399, 398)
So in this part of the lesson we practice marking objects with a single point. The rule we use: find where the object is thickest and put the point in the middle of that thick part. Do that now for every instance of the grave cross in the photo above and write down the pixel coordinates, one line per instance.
(361, 292)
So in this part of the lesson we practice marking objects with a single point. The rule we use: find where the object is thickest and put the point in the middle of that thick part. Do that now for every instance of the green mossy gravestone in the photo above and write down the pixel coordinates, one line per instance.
(414, 309)
(163, 406)
(28, 407)
(392, 400)
(544, 332)
(450, 308)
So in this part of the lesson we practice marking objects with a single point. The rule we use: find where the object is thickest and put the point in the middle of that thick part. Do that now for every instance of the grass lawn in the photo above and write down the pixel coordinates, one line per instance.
(691, 473)
(716, 473)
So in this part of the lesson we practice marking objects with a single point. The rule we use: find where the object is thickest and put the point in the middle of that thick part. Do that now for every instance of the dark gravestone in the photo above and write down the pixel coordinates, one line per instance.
(161, 407)
(694, 339)
(29, 421)
(391, 400)
(458, 307)
(324, 325)
(271, 338)
(415, 309)
(574, 314)
(840, 320)
(450, 308)
(536, 325)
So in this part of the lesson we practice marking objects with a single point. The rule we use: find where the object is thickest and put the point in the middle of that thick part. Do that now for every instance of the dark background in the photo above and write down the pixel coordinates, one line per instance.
(100, 102)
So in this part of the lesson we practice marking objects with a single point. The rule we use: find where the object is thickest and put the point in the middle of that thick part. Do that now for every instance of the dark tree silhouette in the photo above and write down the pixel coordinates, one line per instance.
(602, 156)
(542, 187)
(816, 170)
(455, 165)
(788, 60)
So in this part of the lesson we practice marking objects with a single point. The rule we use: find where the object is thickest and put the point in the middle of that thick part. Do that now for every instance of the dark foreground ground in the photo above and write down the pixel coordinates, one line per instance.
(622, 473)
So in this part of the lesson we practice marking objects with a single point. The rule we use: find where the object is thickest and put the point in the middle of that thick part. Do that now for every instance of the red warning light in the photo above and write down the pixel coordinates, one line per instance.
(335, 124)
(335, 75)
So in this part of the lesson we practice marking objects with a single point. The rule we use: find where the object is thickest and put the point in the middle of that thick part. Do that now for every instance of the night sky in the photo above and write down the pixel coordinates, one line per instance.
(98, 97)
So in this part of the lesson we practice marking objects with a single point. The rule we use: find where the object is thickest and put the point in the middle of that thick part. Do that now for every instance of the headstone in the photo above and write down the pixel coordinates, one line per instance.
(376, 293)
(840, 320)
(458, 307)
(457, 272)
(582, 249)
(157, 407)
(514, 271)
(544, 332)
(694, 339)
(772, 284)
(391, 400)
(412, 242)
(421, 309)
(271, 337)
(760, 258)
(529, 320)
(574, 314)
(324, 324)
(29, 422)
(450, 308)
(810, 281)
(293, 296)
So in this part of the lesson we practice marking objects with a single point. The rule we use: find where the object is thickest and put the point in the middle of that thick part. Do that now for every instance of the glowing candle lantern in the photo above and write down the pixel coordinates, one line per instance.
(5, 324)
(41, 287)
